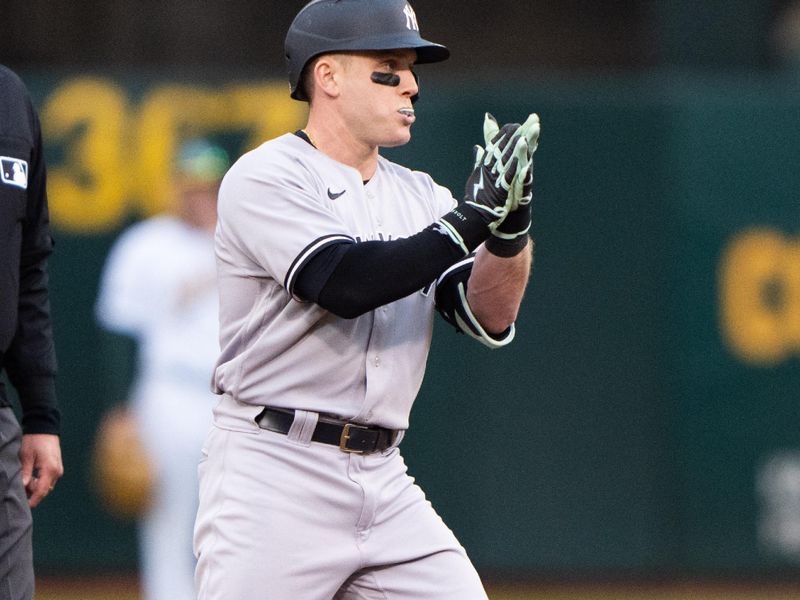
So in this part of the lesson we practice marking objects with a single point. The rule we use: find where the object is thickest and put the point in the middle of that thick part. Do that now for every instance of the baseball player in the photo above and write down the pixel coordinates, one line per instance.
(159, 287)
(331, 261)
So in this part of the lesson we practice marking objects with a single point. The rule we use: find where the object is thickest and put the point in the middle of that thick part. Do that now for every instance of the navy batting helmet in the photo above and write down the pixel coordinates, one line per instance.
(341, 25)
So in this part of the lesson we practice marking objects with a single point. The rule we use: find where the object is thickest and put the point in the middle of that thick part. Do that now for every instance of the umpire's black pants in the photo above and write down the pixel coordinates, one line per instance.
(16, 551)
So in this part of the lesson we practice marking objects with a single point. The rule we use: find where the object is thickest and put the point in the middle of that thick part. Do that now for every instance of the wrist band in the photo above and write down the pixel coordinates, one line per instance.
(506, 248)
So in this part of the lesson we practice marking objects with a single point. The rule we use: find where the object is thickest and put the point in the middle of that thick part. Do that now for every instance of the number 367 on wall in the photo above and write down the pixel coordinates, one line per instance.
(115, 155)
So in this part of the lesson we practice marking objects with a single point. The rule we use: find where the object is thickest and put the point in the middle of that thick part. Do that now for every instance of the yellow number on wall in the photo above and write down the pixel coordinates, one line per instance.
(87, 191)
(760, 296)
(118, 159)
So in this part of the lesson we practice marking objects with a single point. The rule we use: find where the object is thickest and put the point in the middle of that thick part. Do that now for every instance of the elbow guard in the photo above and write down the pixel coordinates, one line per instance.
(452, 305)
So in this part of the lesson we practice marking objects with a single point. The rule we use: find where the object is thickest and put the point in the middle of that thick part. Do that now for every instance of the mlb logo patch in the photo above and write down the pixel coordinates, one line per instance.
(14, 171)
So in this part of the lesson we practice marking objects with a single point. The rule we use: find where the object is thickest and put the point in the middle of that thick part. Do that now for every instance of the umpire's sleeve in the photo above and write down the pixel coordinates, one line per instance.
(31, 358)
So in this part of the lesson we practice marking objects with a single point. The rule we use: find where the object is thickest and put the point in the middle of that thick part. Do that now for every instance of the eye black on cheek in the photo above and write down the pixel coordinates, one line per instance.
(390, 79)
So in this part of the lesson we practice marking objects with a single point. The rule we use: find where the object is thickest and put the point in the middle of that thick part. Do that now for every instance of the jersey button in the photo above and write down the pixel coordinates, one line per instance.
(377, 361)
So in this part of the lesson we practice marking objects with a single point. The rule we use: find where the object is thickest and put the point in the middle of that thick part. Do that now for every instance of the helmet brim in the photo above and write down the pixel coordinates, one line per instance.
(427, 52)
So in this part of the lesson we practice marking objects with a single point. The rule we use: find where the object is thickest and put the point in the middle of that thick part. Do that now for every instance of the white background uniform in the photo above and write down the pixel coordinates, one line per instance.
(159, 286)
(282, 517)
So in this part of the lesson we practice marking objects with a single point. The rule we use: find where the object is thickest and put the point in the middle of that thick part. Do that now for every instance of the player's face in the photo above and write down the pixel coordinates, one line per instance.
(380, 114)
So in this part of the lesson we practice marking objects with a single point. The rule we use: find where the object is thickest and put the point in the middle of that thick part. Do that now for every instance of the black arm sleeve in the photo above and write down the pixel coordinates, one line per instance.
(30, 359)
(350, 279)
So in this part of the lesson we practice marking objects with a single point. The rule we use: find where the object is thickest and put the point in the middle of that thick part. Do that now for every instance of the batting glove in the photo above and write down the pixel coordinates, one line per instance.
(510, 237)
(495, 187)
(494, 171)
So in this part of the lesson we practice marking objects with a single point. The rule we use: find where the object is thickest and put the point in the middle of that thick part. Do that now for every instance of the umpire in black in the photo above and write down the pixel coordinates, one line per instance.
(30, 456)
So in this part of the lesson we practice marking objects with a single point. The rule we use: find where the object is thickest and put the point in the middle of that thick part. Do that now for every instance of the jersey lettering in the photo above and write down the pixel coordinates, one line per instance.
(372, 237)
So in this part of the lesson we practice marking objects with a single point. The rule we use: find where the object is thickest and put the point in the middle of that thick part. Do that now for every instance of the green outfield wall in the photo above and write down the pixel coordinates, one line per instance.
(647, 417)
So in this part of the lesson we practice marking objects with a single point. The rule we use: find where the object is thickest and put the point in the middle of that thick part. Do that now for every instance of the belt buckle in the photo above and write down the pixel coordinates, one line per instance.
(346, 436)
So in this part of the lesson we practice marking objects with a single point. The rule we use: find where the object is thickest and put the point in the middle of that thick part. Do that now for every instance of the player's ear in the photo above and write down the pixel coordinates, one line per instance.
(327, 75)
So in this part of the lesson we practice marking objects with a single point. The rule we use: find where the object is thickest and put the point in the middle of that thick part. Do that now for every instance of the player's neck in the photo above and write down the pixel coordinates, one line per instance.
(342, 146)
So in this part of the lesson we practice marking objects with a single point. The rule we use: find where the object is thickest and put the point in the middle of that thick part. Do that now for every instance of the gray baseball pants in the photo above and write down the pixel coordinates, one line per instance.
(283, 518)
(16, 525)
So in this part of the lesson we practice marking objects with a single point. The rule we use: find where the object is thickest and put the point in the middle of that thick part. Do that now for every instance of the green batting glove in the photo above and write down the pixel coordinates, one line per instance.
(493, 190)
(530, 129)
(490, 129)
(488, 187)
(511, 236)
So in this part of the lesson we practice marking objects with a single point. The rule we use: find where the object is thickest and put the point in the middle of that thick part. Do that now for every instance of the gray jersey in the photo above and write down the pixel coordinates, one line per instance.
(277, 206)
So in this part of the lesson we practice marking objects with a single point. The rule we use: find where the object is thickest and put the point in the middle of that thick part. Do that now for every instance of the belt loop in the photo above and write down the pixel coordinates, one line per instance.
(303, 427)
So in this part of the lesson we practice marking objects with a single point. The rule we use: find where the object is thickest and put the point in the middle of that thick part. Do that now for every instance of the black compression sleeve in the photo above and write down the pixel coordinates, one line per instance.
(370, 274)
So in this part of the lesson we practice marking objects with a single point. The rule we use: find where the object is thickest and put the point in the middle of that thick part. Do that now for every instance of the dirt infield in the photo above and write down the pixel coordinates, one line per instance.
(94, 587)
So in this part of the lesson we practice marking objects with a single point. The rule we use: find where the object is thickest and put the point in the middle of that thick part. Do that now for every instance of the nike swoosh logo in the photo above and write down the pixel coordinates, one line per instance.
(335, 195)
(475, 188)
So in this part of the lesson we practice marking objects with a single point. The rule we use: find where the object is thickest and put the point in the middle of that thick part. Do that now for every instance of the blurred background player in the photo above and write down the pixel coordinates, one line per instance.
(30, 459)
(159, 287)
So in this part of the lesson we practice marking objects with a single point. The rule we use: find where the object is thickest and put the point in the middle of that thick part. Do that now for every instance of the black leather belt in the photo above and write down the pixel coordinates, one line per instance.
(350, 437)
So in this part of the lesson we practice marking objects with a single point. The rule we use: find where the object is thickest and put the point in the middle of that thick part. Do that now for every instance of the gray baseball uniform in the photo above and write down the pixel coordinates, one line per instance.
(275, 213)
(282, 516)
(328, 285)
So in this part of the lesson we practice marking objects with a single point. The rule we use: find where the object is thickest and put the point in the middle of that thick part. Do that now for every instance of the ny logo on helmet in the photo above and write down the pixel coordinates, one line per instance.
(411, 18)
